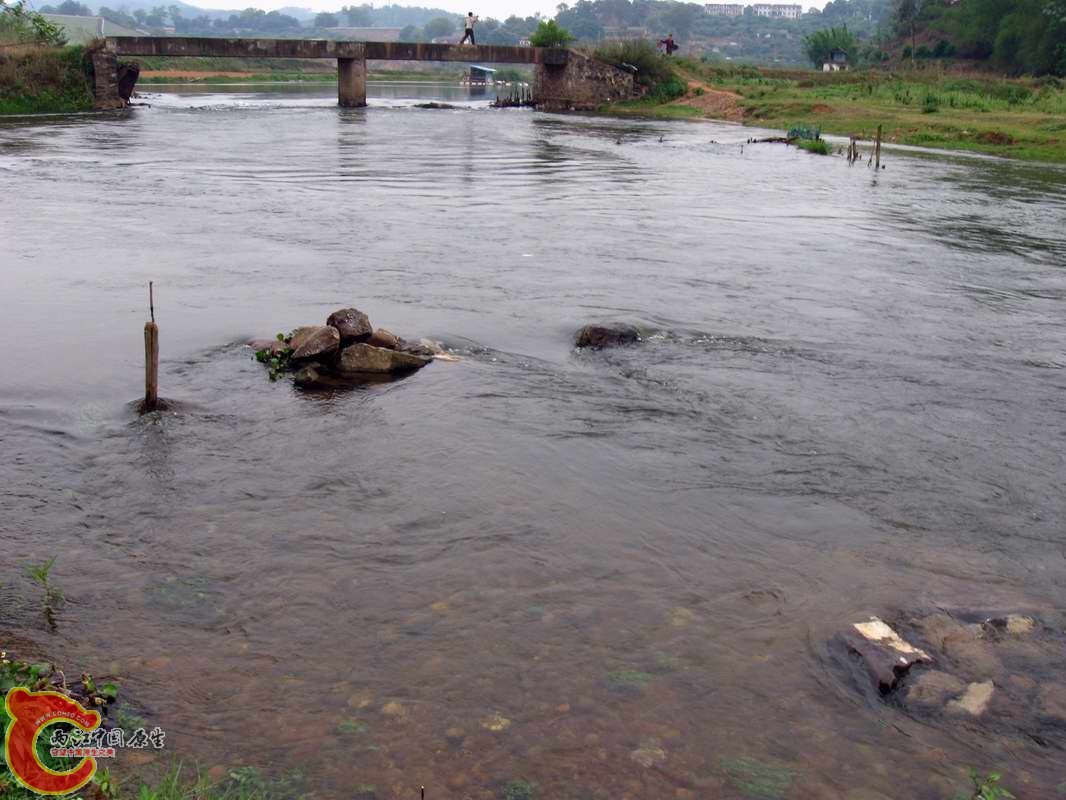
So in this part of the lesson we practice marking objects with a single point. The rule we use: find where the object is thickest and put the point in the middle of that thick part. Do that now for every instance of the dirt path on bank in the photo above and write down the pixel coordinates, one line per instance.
(713, 103)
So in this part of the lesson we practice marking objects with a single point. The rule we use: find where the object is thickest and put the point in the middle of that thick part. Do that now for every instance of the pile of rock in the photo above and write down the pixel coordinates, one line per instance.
(1008, 669)
(347, 349)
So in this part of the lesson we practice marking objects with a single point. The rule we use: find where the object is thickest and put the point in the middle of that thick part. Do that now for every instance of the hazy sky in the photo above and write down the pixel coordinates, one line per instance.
(501, 9)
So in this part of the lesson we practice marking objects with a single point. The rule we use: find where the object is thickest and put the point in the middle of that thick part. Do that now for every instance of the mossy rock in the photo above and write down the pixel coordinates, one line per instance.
(627, 681)
(518, 790)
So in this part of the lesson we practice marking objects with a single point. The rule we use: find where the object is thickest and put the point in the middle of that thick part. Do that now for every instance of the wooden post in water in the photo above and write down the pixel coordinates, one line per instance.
(877, 149)
(151, 356)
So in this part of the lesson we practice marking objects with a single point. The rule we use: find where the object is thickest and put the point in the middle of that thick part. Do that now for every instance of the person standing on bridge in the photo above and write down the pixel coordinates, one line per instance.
(471, 20)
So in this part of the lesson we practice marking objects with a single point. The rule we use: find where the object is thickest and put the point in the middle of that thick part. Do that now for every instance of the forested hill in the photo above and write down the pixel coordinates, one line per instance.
(1016, 36)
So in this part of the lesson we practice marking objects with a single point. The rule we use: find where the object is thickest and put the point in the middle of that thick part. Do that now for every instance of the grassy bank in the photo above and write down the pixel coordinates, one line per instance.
(36, 80)
(1018, 118)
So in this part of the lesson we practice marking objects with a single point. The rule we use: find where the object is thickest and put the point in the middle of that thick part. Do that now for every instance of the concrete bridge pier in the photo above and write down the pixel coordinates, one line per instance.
(351, 81)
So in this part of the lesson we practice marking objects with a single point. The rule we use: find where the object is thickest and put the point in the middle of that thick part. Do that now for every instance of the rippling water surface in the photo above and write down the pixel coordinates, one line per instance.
(853, 403)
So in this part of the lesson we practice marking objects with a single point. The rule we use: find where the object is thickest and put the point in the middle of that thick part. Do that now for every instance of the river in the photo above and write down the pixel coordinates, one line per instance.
(535, 563)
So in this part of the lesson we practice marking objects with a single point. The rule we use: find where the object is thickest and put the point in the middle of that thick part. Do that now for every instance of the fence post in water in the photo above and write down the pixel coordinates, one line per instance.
(877, 150)
(151, 357)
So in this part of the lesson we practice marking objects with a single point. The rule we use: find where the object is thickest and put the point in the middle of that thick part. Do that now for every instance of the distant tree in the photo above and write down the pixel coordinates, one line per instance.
(410, 33)
(908, 15)
(680, 18)
(580, 20)
(821, 43)
(440, 26)
(139, 15)
(326, 20)
(18, 24)
(359, 16)
(118, 17)
(550, 34)
(73, 8)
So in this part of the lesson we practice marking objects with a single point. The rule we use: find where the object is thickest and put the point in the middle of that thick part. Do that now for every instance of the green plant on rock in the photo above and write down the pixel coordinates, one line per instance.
(986, 788)
(278, 361)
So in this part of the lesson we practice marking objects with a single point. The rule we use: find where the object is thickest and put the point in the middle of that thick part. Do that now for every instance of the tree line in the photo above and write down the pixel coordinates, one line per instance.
(1018, 36)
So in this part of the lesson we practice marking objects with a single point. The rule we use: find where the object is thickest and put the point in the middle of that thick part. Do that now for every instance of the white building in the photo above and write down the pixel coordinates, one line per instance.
(777, 11)
(724, 9)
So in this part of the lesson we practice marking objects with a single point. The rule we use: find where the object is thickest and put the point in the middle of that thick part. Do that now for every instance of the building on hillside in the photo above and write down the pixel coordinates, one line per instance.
(724, 9)
(82, 30)
(837, 61)
(365, 34)
(776, 11)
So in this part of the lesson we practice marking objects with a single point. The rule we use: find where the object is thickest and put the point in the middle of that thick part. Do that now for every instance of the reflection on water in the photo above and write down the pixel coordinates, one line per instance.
(607, 574)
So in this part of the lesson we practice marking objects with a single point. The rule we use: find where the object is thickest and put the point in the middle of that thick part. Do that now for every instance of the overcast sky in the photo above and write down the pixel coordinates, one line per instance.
(501, 9)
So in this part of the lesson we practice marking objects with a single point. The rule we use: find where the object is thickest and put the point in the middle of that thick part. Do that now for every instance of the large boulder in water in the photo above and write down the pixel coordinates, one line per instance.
(314, 341)
(352, 324)
(886, 656)
(364, 358)
(598, 337)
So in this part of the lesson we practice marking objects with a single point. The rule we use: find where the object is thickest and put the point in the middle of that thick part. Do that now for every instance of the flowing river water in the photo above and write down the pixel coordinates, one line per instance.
(611, 575)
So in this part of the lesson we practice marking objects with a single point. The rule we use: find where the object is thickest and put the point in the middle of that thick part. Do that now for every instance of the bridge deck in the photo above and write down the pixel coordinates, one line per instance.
(327, 48)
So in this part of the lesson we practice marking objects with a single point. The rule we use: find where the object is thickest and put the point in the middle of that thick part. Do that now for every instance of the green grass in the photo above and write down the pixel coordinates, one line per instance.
(819, 146)
(1017, 118)
(45, 81)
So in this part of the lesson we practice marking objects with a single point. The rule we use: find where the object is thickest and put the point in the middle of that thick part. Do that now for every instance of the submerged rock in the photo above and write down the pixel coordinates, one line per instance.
(314, 341)
(598, 337)
(364, 358)
(495, 722)
(974, 659)
(1053, 702)
(352, 324)
(649, 753)
(426, 348)
(932, 689)
(886, 656)
(309, 377)
(1012, 624)
(383, 338)
(274, 347)
(975, 700)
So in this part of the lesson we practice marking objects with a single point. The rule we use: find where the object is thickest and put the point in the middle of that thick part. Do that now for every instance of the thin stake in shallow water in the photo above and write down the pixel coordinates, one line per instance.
(151, 356)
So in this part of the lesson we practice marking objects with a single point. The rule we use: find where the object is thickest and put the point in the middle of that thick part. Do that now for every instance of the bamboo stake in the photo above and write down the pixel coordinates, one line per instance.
(877, 149)
(151, 356)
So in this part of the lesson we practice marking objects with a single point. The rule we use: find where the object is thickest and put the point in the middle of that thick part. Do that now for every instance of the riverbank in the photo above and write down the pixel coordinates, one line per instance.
(38, 80)
(1015, 118)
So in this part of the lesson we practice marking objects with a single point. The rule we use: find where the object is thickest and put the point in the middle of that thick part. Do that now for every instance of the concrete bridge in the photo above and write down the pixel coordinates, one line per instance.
(351, 56)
